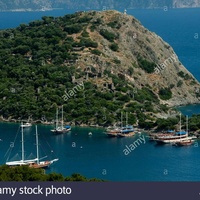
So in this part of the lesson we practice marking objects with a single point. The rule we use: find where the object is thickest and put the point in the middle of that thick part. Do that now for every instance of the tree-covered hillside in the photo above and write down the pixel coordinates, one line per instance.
(37, 65)
(44, 63)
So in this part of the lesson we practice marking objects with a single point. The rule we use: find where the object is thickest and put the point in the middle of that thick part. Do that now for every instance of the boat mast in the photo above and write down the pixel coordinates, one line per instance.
(62, 118)
(180, 123)
(56, 118)
(126, 119)
(37, 148)
(121, 119)
(187, 124)
(22, 142)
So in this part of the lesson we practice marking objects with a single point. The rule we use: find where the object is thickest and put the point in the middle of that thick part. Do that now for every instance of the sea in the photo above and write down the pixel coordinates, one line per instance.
(102, 157)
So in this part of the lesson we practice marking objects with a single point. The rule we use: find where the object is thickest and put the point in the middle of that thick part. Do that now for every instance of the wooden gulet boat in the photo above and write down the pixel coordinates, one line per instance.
(60, 129)
(33, 163)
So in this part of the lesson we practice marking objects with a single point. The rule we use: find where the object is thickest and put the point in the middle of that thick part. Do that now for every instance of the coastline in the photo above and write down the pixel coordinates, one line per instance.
(31, 10)
(48, 123)
(137, 129)
(72, 123)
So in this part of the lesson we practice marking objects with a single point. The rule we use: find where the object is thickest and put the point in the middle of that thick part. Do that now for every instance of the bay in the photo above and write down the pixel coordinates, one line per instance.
(102, 157)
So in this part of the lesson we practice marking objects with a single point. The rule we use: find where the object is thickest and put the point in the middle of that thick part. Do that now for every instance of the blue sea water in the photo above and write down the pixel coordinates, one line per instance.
(102, 157)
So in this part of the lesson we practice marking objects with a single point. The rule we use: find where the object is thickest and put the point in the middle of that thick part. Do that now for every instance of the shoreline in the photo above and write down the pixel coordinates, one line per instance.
(137, 129)
(31, 10)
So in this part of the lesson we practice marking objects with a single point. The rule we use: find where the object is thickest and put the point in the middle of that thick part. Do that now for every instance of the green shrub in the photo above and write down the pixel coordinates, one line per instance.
(84, 19)
(108, 35)
(114, 47)
(114, 24)
(130, 71)
(180, 83)
(116, 61)
(181, 74)
(146, 65)
(165, 93)
(96, 52)
(85, 34)
(76, 28)
(88, 43)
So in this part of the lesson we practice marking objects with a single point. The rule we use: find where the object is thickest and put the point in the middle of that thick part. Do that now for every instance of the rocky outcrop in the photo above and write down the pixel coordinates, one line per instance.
(136, 41)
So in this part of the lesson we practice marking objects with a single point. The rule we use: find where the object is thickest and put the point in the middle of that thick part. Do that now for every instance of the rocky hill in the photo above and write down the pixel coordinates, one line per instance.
(94, 4)
(96, 64)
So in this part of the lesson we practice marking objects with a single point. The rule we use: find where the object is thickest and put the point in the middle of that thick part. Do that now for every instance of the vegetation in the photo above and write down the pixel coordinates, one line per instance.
(171, 123)
(166, 124)
(25, 173)
(96, 52)
(184, 76)
(165, 93)
(180, 83)
(146, 65)
(38, 65)
(114, 47)
(108, 35)
(194, 122)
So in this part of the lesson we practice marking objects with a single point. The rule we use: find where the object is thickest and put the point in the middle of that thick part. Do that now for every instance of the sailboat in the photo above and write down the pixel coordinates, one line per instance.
(22, 161)
(113, 131)
(60, 129)
(178, 137)
(126, 131)
(185, 142)
(123, 131)
(34, 163)
(38, 163)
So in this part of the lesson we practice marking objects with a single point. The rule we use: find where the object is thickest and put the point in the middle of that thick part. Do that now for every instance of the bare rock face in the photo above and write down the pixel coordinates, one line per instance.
(152, 61)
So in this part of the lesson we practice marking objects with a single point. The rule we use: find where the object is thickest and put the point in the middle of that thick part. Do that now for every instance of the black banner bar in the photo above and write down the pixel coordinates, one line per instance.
(99, 190)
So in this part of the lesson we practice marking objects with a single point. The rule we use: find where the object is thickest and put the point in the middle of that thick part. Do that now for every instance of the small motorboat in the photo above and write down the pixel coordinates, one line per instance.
(26, 125)
(185, 142)
(90, 133)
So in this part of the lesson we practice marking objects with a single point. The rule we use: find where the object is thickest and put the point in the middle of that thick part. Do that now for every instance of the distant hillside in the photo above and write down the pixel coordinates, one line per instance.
(95, 4)
(96, 64)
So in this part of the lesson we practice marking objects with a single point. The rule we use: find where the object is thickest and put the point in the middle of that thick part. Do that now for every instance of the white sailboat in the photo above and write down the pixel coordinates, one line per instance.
(22, 161)
(34, 163)
(60, 129)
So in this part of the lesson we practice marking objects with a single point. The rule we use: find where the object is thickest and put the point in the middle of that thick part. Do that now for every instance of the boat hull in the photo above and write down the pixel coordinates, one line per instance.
(185, 143)
(172, 141)
(45, 164)
(129, 134)
(61, 131)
